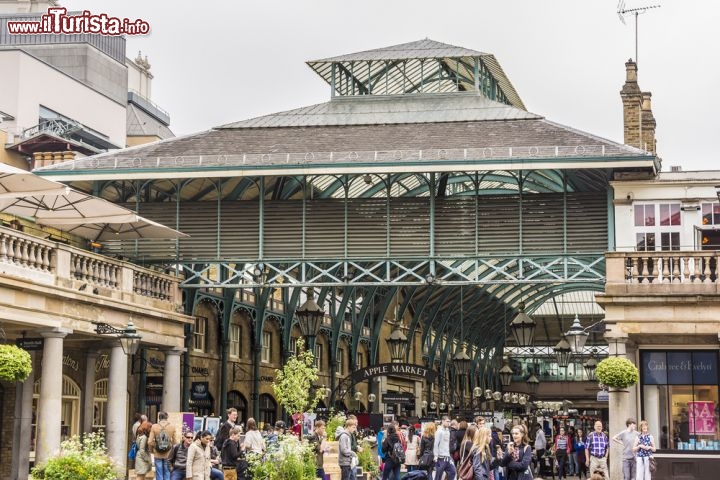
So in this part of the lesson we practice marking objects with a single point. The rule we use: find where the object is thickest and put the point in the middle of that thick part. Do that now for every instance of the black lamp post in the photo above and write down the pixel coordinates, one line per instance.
(129, 338)
(590, 367)
(523, 328)
(563, 352)
(461, 361)
(310, 317)
(397, 344)
(506, 374)
(533, 383)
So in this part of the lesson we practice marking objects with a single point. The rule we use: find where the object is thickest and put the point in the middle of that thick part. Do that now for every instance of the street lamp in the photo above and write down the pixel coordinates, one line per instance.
(310, 317)
(577, 336)
(397, 344)
(590, 367)
(506, 374)
(358, 397)
(563, 352)
(129, 338)
(523, 328)
(533, 383)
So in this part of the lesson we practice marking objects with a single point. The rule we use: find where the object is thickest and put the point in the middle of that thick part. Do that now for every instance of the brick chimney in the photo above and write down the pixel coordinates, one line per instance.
(638, 120)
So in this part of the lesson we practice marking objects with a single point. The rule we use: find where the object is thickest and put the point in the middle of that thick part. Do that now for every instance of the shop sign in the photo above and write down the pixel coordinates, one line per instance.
(265, 378)
(68, 361)
(200, 371)
(702, 418)
(679, 368)
(199, 391)
(399, 397)
(603, 396)
(103, 363)
(30, 343)
(396, 369)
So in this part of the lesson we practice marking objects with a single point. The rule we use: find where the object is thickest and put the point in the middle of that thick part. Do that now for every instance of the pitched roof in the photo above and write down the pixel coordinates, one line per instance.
(448, 56)
(393, 109)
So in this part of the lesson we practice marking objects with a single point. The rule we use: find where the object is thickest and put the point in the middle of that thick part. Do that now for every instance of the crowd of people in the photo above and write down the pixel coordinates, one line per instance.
(444, 450)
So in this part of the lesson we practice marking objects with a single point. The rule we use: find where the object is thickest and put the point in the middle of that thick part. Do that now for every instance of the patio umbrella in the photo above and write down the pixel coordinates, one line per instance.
(17, 183)
(130, 226)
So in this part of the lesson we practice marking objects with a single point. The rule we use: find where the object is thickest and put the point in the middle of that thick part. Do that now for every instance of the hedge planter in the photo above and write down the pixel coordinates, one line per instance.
(617, 373)
(15, 363)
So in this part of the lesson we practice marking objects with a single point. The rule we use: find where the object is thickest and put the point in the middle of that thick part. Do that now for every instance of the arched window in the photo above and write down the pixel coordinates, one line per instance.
(69, 413)
(100, 404)
(237, 401)
(268, 409)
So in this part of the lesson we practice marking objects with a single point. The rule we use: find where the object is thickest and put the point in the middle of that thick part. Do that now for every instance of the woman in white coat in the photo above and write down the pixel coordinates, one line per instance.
(198, 457)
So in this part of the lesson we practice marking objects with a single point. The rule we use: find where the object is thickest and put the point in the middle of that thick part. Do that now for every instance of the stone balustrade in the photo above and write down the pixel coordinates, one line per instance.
(664, 267)
(52, 263)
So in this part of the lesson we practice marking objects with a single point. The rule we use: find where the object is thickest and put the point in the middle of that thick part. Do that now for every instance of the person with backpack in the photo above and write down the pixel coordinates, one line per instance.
(230, 454)
(394, 454)
(178, 456)
(161, 441)
(466, 454)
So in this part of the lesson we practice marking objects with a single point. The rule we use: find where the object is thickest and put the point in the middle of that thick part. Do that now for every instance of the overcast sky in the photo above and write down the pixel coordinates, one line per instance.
(216, 61)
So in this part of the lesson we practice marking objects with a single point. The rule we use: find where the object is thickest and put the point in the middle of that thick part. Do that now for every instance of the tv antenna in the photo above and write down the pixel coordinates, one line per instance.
(622, 11)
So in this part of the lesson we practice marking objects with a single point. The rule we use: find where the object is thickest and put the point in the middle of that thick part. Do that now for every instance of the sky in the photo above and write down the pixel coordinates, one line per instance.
(216, 62)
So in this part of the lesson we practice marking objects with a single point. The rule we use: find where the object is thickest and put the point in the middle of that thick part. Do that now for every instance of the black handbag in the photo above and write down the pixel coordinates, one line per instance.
(426, 460)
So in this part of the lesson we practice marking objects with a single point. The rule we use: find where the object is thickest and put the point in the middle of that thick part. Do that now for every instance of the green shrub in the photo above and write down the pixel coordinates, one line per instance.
(293, 460)
(15, 363)
(78, 459)
(367, 460)
(617, 372)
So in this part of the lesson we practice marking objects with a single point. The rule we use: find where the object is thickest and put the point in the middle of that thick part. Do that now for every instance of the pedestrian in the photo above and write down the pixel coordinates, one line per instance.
(467, 443)
(580, 445)
(198, 457)
(597, 450)
(426, 462)
(346, 457)
(413, 447)
(224, 431)
(483, 461)
(216, 472)
(644, 448)
(540, 446)
(561, 449)
(161, 441)
(441, 449)
(518, 456)
(230, 454)
(143, 460)
(572, 467)
(254, 442)
(627, 439)
(317, 440)
(391, 467)
(178, 457)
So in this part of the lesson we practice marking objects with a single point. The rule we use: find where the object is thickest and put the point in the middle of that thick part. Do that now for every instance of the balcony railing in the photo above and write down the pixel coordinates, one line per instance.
(51, 263)
(664, 267)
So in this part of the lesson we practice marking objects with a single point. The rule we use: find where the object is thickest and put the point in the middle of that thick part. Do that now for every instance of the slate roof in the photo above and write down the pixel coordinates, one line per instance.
(139, 123)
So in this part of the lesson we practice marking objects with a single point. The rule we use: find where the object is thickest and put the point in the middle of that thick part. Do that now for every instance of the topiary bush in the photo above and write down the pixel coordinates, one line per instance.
(78, 459)
(617, 372)
(15, 363)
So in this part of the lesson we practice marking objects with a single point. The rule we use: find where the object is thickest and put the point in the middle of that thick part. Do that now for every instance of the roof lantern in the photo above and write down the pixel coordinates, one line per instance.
(420, 67)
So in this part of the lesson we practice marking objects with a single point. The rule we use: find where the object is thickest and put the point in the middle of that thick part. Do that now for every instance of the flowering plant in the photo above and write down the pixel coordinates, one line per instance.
(337, 420)
(84, 459)
(617, 372)
(290, 460)
(15, 363)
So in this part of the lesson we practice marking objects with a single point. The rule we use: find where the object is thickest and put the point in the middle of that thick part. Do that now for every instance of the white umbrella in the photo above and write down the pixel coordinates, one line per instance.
(25, 194)
(129, 226)
(16, 183)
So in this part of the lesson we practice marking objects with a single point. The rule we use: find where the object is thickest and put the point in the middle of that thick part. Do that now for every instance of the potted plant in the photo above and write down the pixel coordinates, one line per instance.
(367, 460)
(84, 459)
(15, 363)
(617, 372)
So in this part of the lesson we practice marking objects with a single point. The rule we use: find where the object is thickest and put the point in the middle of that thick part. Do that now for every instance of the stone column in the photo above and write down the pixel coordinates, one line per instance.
(171, 381)
(88, 407)
(116, 421)
(49, 414)
(619, 406)
(23, 424)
